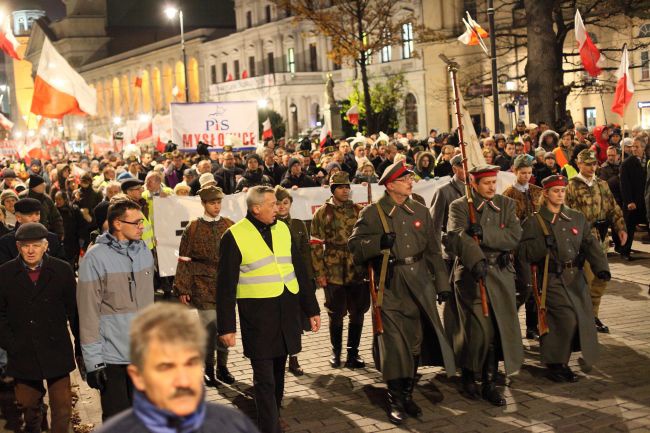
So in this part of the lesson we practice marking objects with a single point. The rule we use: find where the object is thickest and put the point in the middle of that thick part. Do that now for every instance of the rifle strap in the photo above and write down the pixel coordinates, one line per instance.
(542, 224)
(384, 259)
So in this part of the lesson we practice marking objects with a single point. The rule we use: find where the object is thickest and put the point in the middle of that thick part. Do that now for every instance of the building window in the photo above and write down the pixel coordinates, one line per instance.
(411, 113)
(224, 71)
(645, 67)
(213, 74)
(251, 66)
(386, 52)
(291, 61)
(267, 13)
(270, 60)
(313, 58)
(644, 31)
(249, 19)
(236, 69)
(407, 40)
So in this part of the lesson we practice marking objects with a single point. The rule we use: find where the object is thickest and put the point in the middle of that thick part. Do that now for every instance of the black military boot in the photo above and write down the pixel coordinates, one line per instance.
(336, 338)
(294, 366)
(470, 387)
(208, 376)
(354, 337)
(410, 407)
(223, 375)
(489, 388)
(555, 372)
(568, 374)
(395, 408)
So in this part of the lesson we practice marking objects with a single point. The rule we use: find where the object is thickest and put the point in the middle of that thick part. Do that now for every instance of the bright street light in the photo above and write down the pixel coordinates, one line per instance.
(3, 88)
(262, 103)
(117, 120)
(171, 12)
(43, 131)
(18, 134)
(144, 118)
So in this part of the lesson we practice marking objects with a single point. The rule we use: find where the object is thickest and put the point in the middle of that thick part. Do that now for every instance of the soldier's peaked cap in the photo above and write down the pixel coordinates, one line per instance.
(555, 180)
(481, 171)
(394, 172)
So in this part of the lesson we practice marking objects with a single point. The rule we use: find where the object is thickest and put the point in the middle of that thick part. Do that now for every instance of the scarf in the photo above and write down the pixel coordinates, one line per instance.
(161, 421)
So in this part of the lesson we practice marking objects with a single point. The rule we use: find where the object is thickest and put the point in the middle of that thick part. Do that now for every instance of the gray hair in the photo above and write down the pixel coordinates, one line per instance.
(255, 195)
(167, 323)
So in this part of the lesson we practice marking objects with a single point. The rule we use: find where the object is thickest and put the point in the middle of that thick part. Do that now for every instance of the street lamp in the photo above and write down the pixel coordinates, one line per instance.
(171, 12)
(117, 121)
(262, 103)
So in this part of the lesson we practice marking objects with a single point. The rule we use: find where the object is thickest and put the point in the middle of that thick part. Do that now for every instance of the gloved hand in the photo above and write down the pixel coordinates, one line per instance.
(475, 230)
(387, 240)
(444, 297)
(480, 270)
(604, 275)
(550, 242)
(97, 378)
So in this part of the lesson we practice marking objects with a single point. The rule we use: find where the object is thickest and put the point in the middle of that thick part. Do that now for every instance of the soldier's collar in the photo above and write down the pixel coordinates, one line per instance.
(553, 217)
(330, 201)
(480, 203)
(390, 207)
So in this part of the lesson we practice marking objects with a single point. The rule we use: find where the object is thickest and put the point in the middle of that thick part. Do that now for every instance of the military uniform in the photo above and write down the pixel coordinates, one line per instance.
(413, 333)
(596, 202)
(196, 276)
(479, 341)
(345, 292)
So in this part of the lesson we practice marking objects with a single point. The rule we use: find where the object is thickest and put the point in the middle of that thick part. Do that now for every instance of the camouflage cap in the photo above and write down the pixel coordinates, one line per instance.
(587, 156)
(340, 178)
(522, 161)
(210, 193)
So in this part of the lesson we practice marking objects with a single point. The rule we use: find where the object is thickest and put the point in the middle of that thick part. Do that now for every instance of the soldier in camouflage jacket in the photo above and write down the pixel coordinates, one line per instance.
(345, 292)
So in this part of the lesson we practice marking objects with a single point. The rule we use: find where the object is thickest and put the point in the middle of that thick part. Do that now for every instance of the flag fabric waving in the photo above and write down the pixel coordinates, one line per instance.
(591, 58)
(8, 42)
(59, 89)
(353, 115)
(325, 131)
(474, 33)
(624, 85)
(267, 131)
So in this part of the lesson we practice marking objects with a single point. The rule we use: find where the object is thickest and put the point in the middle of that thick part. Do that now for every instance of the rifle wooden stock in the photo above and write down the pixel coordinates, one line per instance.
(542, 326)
(377, 324)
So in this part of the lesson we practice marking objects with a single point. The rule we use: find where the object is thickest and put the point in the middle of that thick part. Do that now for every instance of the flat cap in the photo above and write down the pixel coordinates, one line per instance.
(583, 130)
(27, 205)
(207, 179)
(35, 180)
(554, 180)
(587, 156)
(481, 171)
(340, 178)
(190, 172)
(8, 173)
(127, 184)
(394, 172)
(31, 232)
(523, 160)
(210, 193)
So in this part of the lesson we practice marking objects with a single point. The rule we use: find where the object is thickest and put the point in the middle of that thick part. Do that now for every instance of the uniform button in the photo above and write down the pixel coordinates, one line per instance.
(411, 267)
(403, 222)
(563, 229)
(408, 246)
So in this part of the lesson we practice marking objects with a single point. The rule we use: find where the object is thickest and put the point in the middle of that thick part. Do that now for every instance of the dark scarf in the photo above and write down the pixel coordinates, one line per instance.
(161, 421)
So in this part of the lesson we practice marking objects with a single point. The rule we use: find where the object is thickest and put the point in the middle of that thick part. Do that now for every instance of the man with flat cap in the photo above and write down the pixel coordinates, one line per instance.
(196, 277)
(442, 198)
(592, 196)
(50, 216)
(399, 232)
(526, 197)
(37, 299)
(481, 342)
(558, 240)
(27, 210)
(345, 292)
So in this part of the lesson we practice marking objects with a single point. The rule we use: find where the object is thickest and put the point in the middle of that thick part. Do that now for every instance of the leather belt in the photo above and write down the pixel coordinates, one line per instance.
(406, 260)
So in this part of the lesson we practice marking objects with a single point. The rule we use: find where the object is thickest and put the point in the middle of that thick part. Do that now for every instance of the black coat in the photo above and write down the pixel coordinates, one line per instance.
(302, 181)
(632, 177)
(9, 251)
(270, 327)
(34, 319)
(227, 178)
(276, 173)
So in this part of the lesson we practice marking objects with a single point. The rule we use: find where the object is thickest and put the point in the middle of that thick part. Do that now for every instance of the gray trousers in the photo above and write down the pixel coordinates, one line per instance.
(209, 321)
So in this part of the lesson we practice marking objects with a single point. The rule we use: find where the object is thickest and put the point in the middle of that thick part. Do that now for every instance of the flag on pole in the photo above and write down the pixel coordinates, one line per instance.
(353, 115)
(267, 131)
(59, 89)
(325, 132)
(8, 42)
(591, 58)
(624, 85)
(6, 123)
(138, 80)
(475, 157)
(474, 34)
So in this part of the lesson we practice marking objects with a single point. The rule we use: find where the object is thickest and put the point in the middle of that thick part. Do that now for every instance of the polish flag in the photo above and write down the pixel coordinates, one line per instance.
(325, 132)
(6, 123)
(138, 80)
(8, 42)
(473, 33)
(267, 132)
(59, 89)
(145, 133)
(353, 115)
(591, 58)
(624, 86)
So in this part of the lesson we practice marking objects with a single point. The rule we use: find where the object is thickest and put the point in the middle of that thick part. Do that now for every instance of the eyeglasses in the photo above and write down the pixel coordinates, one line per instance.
(133, 223)
(408, 178)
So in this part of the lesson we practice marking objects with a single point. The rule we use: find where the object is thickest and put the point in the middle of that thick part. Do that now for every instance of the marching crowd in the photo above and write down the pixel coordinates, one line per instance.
(78, 249)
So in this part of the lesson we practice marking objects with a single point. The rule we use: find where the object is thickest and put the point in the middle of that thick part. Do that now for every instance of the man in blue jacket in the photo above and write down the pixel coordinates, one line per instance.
(115, 282)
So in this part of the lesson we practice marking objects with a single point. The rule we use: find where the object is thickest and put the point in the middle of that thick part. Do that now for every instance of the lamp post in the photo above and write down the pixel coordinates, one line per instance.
(171, 12)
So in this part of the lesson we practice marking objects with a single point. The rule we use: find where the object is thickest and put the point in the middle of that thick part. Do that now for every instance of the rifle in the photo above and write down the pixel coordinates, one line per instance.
(452, 67)
(377, 325)
(542, 326)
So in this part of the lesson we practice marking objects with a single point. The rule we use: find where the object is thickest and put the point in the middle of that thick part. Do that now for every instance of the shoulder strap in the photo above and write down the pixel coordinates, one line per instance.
(542, 224)
(384, 259)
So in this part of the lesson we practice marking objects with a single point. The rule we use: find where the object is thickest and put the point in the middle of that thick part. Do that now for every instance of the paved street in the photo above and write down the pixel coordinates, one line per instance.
(615, 396)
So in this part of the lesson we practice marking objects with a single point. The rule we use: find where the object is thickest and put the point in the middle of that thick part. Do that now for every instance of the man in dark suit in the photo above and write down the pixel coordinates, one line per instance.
(37, 300)
(261, 271)
(271, 168)
(633, 171)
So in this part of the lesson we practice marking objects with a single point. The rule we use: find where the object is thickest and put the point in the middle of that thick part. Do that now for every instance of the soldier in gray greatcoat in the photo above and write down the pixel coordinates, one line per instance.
(413, 333)
(564, 235)
(479, 341)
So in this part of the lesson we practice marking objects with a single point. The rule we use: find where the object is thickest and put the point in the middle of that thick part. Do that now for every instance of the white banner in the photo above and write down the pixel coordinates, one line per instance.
(212, 122)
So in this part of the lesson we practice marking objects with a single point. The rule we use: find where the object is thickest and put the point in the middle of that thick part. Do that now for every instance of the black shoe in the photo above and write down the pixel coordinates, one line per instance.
(569, 375)
(489, 389)
(294, 366)
(223, 375)
(336, 338)
(208, 376)
(627, 257)
(555, 372)
(601, 327)
(335, 360)
(354, 360)
(395, 407)
(532, 334)
(469, 386)
(490, 393)
(410, 407)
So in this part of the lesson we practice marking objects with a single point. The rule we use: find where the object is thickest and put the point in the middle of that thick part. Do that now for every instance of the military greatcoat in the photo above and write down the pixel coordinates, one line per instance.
(569, 310)
(409, 312)
(470, 331)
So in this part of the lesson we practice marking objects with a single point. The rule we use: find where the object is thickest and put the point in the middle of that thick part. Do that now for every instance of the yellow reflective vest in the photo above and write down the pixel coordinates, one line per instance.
(264, 273)
(570, 171)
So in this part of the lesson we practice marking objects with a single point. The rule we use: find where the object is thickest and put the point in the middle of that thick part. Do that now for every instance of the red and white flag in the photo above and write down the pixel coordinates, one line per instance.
(474, 33)
(8, 42)
(267, 131)
(6, 123)
(325, 132)
(624, 85)
(592, 60)
(138, 80)
(353, 115)
(59, 89)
